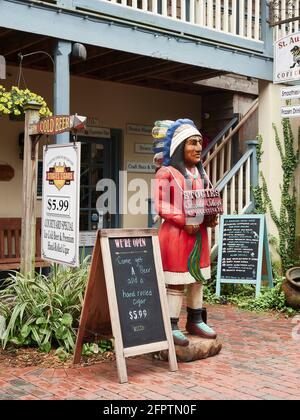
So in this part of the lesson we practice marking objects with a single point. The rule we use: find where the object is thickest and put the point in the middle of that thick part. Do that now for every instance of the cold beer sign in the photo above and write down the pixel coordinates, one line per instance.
(58, 124)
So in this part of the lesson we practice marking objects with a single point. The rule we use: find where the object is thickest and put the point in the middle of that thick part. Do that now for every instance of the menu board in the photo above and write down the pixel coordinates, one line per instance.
(136, 290)
(242, 244)
(240, 248)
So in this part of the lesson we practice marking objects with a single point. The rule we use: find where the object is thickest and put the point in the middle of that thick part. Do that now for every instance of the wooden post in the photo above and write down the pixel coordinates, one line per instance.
(29, 191)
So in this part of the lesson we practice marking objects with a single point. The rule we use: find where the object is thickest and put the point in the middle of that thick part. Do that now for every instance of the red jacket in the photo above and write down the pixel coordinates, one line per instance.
(175, 244)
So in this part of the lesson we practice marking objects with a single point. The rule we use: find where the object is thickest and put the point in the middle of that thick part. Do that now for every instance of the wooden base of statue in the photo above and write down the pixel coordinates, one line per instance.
(198, 348)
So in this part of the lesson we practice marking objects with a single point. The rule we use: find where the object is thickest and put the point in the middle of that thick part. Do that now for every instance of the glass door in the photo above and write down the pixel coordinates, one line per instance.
(95, 165)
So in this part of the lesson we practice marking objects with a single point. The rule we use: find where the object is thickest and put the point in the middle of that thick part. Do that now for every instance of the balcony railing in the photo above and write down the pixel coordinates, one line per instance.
(284, 16)
(236, 17)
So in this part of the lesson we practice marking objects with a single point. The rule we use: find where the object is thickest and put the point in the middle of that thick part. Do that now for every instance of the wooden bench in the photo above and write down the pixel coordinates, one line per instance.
(10, 244)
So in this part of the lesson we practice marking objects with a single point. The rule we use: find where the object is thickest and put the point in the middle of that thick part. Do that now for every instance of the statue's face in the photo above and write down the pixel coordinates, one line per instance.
(192, 150)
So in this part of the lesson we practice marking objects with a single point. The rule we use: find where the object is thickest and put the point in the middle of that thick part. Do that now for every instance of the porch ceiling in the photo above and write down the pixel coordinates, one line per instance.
(109, 65)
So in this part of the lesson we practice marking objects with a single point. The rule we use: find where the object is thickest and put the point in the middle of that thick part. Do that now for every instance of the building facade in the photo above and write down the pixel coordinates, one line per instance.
(145, 60)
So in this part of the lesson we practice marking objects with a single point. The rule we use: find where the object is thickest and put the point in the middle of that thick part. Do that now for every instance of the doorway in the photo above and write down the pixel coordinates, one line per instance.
(100, 158)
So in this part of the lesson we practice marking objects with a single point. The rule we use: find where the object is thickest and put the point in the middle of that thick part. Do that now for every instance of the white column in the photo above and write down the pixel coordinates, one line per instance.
(62, 84)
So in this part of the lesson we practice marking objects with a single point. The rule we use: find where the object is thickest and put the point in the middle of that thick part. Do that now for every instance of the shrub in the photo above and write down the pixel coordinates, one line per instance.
(44, 311)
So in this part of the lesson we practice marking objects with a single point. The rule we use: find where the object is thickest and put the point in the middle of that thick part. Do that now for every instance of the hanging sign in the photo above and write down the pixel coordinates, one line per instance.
(202, 202)
(60, 204)
(243, 241)
(127, 295)
(287, 59)
(58, 124)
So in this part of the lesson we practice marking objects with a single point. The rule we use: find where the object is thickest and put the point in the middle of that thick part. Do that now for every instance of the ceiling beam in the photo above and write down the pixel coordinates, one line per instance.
(153, 69)
(19, 43)
(106, 61)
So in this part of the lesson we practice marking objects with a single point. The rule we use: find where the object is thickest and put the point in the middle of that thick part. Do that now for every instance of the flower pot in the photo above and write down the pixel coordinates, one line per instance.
(291, 287)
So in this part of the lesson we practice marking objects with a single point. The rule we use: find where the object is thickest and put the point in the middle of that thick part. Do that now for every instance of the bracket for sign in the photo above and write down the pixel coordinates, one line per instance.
(101, 313)
(263, 250)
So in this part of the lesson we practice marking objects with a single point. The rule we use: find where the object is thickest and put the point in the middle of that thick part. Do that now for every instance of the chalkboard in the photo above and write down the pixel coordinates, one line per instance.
(240, 248)
(126, 296)
(243, 239)
(136, 289)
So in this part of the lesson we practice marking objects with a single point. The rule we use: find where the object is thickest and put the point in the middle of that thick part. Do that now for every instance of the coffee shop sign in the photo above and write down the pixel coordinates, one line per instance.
(287, 59)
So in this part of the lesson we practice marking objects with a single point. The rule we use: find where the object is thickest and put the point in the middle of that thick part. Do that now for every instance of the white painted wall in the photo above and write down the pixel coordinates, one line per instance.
(269, 112)
(114, 105)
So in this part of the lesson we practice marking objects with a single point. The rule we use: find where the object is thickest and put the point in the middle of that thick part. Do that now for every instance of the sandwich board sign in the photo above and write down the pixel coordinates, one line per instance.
(243, 243)
(60, 204)
(126, 296)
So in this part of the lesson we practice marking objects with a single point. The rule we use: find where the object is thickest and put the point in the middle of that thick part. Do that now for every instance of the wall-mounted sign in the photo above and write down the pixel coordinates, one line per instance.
(144, 130)
(287, 58)
(145, 148)
(243, 241)
(141, 167)
(60, 205)
(290, 111)
(290, 92)
(126, 296)
(57, 124)
(102, 132)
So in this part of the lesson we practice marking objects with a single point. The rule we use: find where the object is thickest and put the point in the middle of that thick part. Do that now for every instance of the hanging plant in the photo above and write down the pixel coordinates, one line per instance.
(12, 103)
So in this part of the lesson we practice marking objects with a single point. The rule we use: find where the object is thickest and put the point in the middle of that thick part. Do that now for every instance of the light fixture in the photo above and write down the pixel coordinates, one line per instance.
(79, 51)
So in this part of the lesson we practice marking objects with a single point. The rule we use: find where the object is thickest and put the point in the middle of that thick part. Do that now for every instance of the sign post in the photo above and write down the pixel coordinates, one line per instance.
(34, 129)
(127, 296)
(30, 163)
(244, 241)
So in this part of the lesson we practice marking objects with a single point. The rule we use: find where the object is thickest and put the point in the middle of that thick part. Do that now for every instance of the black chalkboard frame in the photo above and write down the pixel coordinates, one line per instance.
(263, 248)
(100, 310)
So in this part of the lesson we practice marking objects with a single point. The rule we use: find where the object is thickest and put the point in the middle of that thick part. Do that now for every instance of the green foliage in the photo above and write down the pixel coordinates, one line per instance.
(243, 295)
(12, 103)
(89, 349)
(44, 311)
(285, 221)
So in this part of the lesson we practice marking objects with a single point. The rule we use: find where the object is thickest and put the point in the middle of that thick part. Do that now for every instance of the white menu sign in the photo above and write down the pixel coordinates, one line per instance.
(60, 205)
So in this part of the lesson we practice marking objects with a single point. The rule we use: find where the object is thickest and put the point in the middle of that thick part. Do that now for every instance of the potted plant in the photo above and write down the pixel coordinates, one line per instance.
(12, 103)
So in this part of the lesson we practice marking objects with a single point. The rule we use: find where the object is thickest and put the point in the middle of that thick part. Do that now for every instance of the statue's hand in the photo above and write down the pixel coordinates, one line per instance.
(211, 220)
(191, 229)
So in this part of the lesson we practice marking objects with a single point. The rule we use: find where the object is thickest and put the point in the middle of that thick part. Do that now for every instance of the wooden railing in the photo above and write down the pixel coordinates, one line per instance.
(237, 17)
(284, 15)
(236, 189)
(222, 162)
(217, 159)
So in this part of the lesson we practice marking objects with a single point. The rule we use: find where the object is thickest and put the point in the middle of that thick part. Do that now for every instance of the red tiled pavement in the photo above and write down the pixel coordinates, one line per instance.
(259, 360)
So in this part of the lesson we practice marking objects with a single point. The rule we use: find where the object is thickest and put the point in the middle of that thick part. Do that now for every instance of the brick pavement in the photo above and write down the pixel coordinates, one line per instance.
(259, 360)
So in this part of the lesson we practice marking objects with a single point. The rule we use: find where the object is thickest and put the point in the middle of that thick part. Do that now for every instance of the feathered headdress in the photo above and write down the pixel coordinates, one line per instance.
(168, 135)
